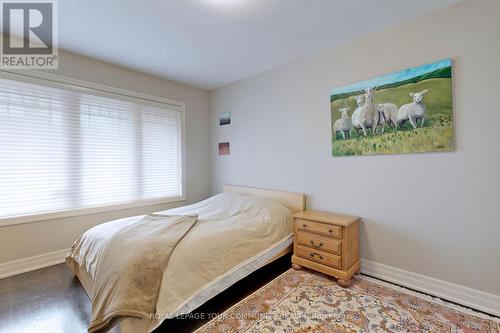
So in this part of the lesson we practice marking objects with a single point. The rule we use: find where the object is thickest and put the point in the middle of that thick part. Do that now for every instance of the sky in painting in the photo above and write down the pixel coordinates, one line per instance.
(393, 77)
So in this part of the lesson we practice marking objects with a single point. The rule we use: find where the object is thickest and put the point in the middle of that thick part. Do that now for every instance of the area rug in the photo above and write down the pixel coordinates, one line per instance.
(304, 301)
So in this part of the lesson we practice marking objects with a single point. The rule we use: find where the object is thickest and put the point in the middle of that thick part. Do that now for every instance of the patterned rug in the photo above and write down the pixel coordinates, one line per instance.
(303, 301)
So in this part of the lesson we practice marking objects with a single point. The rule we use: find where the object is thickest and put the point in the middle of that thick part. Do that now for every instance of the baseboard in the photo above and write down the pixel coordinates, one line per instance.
(32, 263)
(473, 298)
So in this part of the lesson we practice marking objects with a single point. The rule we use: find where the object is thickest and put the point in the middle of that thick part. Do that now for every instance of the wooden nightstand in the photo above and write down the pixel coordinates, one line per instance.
(327, 243)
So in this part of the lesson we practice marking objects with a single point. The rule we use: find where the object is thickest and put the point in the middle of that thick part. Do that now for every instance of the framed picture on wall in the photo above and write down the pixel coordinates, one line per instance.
(225, 118)
(409, 111)
(224, 148)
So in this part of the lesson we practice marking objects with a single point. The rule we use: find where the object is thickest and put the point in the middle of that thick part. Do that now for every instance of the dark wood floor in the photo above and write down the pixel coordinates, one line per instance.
(51, 300)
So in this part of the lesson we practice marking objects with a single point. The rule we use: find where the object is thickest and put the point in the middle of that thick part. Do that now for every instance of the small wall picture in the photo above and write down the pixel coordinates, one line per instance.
(225, 118)
(224, 148)
(404, 112)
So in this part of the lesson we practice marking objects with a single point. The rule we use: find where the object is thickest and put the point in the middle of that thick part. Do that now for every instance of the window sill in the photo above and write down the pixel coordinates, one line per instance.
(14, 220)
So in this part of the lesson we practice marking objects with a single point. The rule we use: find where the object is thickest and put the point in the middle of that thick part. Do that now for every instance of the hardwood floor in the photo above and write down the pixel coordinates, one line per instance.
(52, 300)
(46, 300)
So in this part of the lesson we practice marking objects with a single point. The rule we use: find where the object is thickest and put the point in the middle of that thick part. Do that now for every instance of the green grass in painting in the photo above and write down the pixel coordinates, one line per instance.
(436, 135)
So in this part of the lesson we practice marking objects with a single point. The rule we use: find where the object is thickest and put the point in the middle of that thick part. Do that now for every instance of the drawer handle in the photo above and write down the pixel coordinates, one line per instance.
(316, 254)
(305, 226)
(317, 245)
(330, 231)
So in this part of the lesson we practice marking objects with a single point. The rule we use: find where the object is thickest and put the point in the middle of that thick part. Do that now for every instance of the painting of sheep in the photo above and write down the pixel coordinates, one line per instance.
(403, 112)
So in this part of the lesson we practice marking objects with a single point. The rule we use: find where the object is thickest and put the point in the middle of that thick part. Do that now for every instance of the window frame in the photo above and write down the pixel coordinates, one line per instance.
(62, 82)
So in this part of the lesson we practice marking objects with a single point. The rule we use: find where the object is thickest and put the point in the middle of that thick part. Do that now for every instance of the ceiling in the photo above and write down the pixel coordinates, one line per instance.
(210, 43)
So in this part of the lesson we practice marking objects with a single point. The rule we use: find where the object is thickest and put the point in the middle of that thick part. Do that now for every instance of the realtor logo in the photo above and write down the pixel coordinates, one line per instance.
(29, 34)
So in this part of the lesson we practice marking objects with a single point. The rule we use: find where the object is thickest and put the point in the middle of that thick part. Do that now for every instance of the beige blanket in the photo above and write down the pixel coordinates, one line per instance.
(126, 263)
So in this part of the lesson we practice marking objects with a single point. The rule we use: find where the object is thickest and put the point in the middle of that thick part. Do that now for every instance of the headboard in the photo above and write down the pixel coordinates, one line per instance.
(294, 201)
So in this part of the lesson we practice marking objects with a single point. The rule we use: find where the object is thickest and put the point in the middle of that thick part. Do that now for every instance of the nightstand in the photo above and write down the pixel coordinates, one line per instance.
(327, 243)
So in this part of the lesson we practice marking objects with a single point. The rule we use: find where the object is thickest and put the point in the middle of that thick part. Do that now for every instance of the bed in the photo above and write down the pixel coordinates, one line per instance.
(238, 231)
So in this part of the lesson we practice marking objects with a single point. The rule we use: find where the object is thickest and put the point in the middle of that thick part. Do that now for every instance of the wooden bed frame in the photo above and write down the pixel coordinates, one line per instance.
(294, 201)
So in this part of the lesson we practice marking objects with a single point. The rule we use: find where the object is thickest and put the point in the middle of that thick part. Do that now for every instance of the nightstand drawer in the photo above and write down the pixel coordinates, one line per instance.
(321, 228)
(319, 242)
(322, 257)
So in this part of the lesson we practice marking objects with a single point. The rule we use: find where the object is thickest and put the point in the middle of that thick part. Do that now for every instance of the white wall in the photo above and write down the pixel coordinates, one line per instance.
(26, 240)
(437, 214)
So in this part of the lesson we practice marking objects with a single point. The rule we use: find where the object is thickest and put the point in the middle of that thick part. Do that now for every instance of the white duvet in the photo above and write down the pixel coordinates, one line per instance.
(234, 235)
(231, 229)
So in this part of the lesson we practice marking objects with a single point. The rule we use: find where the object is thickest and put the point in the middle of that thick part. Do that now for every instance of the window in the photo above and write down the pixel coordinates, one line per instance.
(65, 148)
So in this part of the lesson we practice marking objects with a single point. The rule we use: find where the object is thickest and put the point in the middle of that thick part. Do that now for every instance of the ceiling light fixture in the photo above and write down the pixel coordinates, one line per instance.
(224, 2)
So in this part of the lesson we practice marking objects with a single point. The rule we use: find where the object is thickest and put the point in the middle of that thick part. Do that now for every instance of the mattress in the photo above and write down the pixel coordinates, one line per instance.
(234, 236)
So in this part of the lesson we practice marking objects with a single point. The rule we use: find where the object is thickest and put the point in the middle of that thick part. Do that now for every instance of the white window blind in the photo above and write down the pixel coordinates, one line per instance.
(66, 149)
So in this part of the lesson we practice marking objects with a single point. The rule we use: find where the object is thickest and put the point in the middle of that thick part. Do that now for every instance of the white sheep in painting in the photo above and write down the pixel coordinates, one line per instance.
(355, 115)
(367, 115)
(342, 125)
(360, 99)
(382, 120)
(389, 112)
(413, 112)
